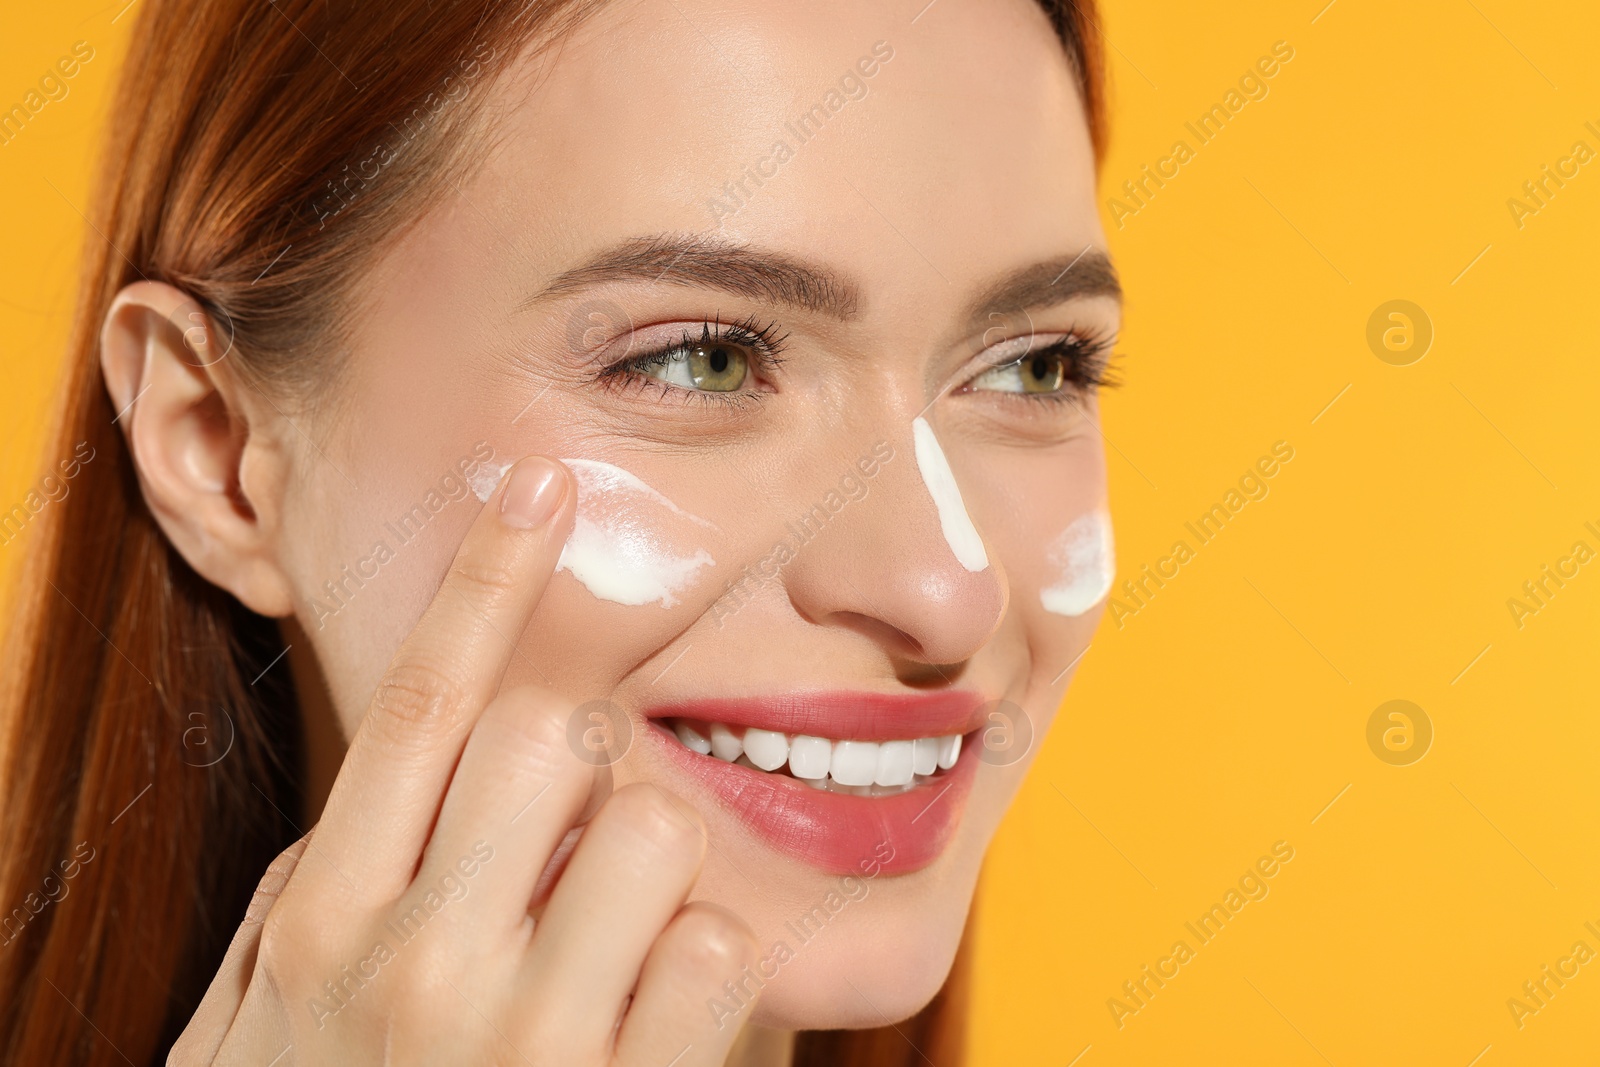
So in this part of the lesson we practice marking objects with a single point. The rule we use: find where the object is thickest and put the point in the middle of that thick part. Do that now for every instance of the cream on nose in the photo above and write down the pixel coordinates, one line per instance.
(959, 532)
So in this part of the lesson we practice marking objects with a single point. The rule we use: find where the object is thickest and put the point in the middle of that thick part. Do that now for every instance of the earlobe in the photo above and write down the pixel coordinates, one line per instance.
(189, 428)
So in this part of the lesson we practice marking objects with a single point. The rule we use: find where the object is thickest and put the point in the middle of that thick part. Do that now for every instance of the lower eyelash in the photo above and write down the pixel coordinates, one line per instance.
(622, 381)
(1088, 367)
(761, 341)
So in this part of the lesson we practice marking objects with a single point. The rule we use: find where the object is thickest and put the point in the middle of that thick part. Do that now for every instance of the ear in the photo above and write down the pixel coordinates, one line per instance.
(190, 431)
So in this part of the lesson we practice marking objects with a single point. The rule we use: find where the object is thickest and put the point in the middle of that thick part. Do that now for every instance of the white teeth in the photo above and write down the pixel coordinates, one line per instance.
(854, 762)
(810, 757)
(692, 739)
(894, 763)
(725, 744)
(766, 749)
(859, 768)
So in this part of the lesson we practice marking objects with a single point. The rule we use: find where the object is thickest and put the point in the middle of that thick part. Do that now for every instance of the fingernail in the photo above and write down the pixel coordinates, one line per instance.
(531, 494)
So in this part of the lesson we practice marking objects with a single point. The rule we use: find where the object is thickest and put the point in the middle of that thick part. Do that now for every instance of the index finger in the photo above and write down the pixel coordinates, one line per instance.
(450, 666)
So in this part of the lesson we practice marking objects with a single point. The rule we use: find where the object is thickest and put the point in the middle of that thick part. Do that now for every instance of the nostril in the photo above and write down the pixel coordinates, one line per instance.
(883, 634)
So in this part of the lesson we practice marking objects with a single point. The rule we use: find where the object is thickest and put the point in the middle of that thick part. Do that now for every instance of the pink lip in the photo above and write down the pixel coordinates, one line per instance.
(840, 714)
(838, 833)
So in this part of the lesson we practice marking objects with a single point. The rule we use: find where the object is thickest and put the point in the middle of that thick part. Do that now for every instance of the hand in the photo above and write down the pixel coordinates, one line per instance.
(399, 930)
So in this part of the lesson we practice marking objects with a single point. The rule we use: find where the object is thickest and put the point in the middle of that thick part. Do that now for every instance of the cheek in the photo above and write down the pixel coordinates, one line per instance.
(630, 543)
(654, 552)
(1085, 560)
(369, 538)
(1057, 544)
(637, 572)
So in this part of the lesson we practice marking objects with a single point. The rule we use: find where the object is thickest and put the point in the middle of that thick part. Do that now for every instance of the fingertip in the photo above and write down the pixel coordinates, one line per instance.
(532, 491)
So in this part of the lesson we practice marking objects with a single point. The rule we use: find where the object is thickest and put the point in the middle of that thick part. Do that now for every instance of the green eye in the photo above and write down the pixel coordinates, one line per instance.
(717, 368)
(1037, 372)
(710, 367)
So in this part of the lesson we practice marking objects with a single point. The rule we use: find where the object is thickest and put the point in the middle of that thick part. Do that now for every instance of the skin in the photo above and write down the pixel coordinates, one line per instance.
(968, 160)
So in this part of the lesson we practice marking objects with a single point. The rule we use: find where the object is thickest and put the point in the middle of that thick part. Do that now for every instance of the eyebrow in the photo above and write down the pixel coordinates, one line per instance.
(708, 263)
(1089, 273)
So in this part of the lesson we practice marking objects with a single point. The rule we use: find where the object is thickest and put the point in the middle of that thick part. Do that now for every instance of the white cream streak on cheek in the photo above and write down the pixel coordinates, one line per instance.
(959, 533)
(616, 554)
(1088, 563)
(486, 477)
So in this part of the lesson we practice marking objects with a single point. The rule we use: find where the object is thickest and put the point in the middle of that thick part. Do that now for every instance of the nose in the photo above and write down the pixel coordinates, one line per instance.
(906, 565)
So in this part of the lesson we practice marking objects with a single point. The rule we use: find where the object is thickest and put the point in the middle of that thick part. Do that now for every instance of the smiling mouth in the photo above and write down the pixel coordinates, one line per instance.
(851, 767)
(833, 777)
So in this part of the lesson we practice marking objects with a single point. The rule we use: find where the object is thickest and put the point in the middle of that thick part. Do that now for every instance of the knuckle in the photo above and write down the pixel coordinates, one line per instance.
(435, 990)
(417, 695)
(545, 1027)
(420, 995)
(530, 722)
(276, 952)
(710, 943)
(483, 579)
(265, 897)
(276, 878)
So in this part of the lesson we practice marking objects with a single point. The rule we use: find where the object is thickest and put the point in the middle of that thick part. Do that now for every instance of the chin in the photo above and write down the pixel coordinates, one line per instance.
(883, 969)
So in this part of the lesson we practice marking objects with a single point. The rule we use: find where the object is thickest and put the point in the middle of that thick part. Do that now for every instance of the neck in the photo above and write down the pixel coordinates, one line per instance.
(759, 1047)
(323, 743)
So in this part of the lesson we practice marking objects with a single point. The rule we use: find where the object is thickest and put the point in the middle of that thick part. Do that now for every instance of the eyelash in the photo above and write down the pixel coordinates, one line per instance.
(763, 341)
(1085, 356)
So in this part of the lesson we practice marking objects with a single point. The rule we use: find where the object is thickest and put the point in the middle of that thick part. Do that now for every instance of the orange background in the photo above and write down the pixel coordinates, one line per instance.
(1230, 711)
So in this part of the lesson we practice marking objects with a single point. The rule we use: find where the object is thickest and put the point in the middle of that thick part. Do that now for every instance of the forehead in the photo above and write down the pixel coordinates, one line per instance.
(919, 155)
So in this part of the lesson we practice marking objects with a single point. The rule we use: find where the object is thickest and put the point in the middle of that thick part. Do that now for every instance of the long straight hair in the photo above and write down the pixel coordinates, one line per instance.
(149, 747)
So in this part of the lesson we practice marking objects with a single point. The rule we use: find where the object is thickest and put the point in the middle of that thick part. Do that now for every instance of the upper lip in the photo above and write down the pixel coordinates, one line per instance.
(839, 714)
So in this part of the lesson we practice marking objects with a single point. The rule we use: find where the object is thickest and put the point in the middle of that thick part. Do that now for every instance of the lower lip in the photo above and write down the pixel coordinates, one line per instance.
(837, 832)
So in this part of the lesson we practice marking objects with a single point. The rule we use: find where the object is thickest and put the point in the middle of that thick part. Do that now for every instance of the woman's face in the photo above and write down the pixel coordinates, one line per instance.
(757, 269)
